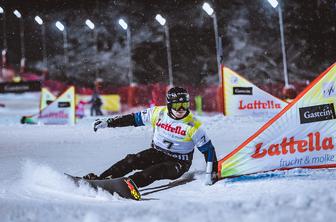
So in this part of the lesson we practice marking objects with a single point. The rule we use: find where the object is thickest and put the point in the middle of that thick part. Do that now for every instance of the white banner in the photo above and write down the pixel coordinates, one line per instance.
(61, 110)
(46, 98)
(301, 135)
(242, 98)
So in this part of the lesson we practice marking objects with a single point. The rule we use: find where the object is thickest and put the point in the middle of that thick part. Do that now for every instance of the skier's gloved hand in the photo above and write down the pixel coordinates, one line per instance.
(99, 124)
(208, 180)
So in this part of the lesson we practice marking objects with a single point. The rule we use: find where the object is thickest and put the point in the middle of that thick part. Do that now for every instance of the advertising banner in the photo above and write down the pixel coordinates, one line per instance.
(302, 135)
(20, 87)
(59, 112)
(243, 98)
(46, 98)
(111, 103)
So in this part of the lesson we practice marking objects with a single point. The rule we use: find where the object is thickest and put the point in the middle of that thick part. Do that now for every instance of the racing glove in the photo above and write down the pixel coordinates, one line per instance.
(116, 121)
(99, 124)
(209, 180)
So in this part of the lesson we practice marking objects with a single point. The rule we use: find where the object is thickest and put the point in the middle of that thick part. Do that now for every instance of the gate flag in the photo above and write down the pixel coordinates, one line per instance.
(242, 97)
(302, 135)
(61, 111)
(46, 98)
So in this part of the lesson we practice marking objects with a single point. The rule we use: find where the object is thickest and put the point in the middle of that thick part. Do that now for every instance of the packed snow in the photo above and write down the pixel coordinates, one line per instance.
(34, 158)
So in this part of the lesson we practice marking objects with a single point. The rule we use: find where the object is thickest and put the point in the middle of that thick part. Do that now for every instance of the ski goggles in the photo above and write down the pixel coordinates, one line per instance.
(178, 106)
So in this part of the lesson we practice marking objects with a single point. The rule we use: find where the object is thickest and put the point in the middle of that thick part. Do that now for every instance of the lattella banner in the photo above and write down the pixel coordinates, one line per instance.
(302, 135)
(243, 98)
(60, 111)
(46, 98)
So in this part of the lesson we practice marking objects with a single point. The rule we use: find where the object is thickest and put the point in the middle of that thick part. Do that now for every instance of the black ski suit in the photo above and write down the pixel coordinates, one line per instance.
(154, 163)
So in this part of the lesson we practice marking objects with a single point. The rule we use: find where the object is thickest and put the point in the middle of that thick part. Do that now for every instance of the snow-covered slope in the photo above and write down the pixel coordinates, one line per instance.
(33, 159)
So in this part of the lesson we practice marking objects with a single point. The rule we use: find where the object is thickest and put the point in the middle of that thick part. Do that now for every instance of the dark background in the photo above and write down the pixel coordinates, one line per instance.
(249, 29)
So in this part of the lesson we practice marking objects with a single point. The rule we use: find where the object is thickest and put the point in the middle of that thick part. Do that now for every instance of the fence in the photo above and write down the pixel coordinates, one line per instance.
(155, 94)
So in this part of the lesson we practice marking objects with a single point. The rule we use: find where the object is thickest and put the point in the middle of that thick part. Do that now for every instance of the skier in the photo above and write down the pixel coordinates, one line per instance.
(176, 133)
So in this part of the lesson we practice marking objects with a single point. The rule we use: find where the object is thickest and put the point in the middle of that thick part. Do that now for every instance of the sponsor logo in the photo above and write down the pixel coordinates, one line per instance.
(63, 104)
(135, 194)
(317, 113)
(56, 115)
(257, 104)
(313, 142)
(329, 89)
(242, 90)
(16, 88)
(9, 87)
(168, 127)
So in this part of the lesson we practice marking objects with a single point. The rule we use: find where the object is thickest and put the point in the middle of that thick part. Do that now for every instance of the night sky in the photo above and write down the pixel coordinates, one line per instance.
(50, 9)
(309, 31)
(51, 6)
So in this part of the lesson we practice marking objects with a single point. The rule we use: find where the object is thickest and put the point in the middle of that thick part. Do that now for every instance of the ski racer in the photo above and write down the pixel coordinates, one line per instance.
(176, 133)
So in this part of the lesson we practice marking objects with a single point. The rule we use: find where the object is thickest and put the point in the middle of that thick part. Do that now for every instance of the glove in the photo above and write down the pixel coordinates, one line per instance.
(91, 176)
(99, 124)
(208, 180)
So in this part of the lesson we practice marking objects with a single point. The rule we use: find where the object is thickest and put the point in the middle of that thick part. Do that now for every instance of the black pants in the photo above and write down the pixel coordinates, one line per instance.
(95, 111)
(154, 165)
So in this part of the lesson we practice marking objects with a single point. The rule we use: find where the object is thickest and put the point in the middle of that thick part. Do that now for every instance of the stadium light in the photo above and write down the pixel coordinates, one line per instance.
(90, 24)
(274, 4)
(61, 27)
(124, 25)
(160, 19)
(39, 21)
(207, 8)
(210, 11)
(1, 10)
(163, 22)
(23, 60)
(17, 13)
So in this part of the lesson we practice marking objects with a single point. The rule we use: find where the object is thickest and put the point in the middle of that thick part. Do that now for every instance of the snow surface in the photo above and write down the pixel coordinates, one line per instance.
(33, 159)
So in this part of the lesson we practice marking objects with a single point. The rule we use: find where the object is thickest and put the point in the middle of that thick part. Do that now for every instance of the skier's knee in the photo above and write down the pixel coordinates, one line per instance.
(131, 158)
(147, 175)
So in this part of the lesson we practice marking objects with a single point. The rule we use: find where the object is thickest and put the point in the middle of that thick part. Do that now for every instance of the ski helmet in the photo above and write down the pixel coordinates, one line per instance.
(178, 95)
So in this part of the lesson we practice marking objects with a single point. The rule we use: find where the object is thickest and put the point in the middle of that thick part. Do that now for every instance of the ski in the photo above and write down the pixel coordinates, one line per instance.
(124, 187)
(188, 177)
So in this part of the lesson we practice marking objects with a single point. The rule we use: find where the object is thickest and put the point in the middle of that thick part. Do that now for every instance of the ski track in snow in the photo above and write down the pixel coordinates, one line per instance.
(33, 187)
